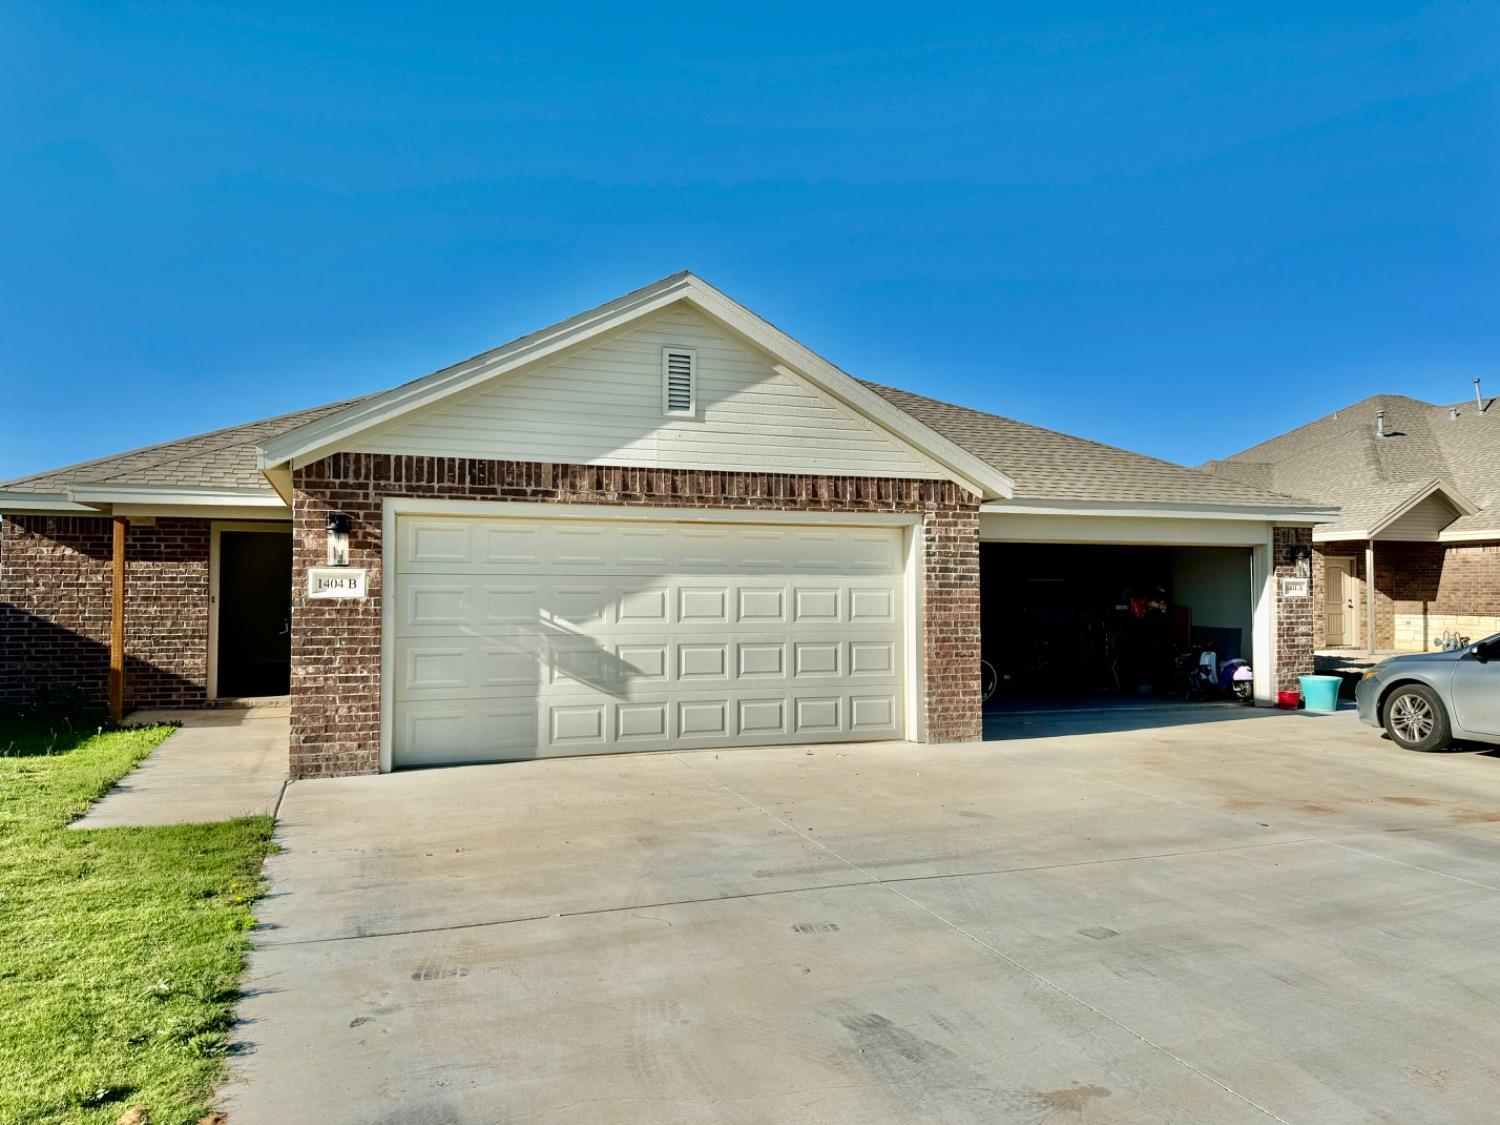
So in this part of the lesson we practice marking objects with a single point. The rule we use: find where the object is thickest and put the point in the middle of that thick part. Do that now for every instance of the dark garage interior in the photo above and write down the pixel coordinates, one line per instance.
(1077, 623)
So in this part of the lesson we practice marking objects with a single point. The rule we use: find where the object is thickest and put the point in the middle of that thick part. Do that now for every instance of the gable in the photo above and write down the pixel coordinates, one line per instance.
(1423, 522)
(601, 404)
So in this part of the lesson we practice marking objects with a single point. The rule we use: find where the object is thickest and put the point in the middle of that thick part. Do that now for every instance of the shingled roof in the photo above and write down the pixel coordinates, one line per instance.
(1340, 460)
(1048, 465)
(220, 459)
(1045, 464)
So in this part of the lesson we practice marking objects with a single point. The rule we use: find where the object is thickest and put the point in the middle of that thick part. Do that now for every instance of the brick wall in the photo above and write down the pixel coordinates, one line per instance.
(55, 594)
(1294, 616)
(336, 644)
(1432, 583)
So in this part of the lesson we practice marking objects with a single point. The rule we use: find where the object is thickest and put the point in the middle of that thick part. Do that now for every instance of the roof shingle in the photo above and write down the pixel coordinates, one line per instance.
(1339, 460)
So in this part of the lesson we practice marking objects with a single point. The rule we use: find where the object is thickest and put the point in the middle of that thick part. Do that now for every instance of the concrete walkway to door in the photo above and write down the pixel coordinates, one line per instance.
(223, 763)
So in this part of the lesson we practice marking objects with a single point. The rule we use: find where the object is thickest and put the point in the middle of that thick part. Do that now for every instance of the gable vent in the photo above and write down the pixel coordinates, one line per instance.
(679, 375)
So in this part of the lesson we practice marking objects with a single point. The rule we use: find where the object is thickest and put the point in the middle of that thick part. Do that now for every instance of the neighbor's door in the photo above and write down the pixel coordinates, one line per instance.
(255, 613)
(1338, 603)
(1476, 689)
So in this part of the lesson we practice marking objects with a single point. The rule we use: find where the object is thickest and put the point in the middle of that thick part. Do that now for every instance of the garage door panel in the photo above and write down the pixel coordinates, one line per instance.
(467, 668)
(534, 640)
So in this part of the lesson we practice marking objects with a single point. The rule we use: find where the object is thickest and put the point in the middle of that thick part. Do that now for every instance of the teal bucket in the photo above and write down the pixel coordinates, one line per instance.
(1321, 693)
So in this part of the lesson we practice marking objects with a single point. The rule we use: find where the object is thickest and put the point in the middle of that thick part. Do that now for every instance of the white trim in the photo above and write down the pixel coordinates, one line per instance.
(51, 503)
(202, 511)
(1263, 610)
(1468, 536)
(213, 587)
(418, 505)
(390, 508)
(997, 527)
(393, 507)
(1282, 516)
(164, 496)
(916, 665)
(317, 439)
(667, 352)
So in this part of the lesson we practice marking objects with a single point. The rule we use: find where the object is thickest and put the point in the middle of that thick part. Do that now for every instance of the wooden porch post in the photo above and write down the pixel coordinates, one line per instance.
(117, 624)
(1369, 595)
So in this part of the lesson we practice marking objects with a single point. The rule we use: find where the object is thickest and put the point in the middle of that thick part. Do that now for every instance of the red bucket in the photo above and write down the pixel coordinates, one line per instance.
(1288, 700)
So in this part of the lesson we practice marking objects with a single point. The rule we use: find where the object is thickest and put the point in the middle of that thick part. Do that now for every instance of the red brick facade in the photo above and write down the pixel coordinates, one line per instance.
(336, 644)
(1415, 578)
(1295, 617)
(55, 595)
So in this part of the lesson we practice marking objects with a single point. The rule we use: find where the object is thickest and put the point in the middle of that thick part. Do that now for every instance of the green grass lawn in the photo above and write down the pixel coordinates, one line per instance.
(121, 948)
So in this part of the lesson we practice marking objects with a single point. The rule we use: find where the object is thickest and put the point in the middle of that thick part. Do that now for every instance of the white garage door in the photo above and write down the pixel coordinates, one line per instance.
(523, 638)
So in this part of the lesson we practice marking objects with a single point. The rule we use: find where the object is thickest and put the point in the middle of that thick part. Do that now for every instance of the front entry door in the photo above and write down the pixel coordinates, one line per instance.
(255, 613)
(1338, 603)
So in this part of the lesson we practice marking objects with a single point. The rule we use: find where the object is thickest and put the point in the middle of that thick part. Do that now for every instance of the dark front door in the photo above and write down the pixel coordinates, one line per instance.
(255, 613)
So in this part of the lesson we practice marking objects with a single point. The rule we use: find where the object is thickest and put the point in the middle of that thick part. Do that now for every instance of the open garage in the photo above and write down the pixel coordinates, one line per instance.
(1102, 622)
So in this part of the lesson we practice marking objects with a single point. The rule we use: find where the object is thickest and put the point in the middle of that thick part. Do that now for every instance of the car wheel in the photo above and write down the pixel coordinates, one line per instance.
(1416, 719)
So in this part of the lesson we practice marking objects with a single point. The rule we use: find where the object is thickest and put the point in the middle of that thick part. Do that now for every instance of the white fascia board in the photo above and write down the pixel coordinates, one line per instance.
(309, 443)
(1468, 536)
(1339, 536)
(203, 511)
(168, 497)
(50, 502)
(1278, 515)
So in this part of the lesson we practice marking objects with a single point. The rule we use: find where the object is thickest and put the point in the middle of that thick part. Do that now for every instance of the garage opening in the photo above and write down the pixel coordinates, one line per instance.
(1070, 625)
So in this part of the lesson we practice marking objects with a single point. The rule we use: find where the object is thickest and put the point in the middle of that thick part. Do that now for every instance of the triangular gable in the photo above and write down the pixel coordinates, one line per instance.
(787, 365)
(601, 404)
(1422, 516)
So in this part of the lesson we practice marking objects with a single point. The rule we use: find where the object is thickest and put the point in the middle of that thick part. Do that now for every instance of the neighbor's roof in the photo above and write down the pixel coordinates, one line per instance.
(220, 459)
(1048, 465)
(1339, 460)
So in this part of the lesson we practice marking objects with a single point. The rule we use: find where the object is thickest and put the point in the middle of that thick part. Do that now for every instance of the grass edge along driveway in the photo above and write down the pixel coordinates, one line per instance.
(120, 948)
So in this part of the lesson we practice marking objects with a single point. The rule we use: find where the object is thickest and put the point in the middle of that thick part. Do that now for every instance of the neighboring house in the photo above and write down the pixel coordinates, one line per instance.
(1418, 486)
(661, 523)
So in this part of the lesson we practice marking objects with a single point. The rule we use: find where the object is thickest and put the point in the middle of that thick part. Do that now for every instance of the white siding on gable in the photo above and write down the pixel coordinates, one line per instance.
(1422, 523)
(602, 405)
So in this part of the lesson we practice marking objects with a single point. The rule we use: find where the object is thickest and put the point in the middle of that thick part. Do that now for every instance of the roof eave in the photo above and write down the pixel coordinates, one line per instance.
(1290, 515)
(42, 503)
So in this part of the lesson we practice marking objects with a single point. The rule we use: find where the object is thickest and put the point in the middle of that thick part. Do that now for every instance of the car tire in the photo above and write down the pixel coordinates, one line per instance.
(1416, 719)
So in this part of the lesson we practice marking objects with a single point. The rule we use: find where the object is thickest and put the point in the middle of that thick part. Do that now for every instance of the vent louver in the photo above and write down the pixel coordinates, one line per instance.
(678, 370)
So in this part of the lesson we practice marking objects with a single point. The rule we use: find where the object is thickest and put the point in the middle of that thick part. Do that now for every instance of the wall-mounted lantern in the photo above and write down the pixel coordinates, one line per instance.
(1302, 559)
(338, 539)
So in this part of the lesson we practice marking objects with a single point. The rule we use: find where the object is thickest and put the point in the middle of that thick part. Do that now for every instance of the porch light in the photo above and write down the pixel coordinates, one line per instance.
(1302, 559)
(338, 539)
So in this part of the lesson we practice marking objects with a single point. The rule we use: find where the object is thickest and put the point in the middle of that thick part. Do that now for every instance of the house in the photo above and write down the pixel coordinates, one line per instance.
(660, 523)
(1418, 488)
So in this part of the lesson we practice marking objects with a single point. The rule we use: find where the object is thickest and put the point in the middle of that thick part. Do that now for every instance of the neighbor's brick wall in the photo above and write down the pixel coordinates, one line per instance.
(55, 594)
(336, 644)
(1429, 587)
(1294, 616)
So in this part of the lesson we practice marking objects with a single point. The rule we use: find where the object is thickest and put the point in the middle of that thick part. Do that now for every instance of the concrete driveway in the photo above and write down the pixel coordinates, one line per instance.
(1247, 917)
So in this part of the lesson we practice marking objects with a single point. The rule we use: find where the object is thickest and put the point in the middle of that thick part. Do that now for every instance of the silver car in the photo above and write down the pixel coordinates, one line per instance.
(1430, 699)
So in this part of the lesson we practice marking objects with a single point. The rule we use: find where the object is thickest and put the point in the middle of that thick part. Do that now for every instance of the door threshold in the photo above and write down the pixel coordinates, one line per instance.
(247, 702)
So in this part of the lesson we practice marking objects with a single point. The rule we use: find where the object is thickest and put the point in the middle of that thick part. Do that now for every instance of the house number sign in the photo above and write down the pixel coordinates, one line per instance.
(1296, 587)
(335, 582)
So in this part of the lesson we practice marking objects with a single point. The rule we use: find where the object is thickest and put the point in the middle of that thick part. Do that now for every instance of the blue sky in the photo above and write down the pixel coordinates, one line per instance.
(1180, 229)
